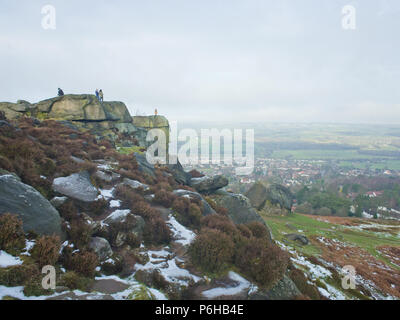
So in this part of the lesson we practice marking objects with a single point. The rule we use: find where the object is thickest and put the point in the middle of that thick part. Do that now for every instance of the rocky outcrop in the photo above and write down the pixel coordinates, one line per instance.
(257, 195)
(238, 206)
(207, 210)
(209, 184)
(36, 212)
(179, 174)
(86, 112)
(77, 186)
(101, 247)
(118, 226)
(144, 165)
(266, 197)
(146, 123)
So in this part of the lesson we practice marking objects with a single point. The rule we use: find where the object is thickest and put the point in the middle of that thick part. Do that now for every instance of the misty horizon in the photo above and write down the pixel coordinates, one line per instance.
(253, 61)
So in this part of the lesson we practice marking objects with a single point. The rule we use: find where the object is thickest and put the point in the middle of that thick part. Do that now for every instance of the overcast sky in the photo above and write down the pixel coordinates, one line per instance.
(247, 60)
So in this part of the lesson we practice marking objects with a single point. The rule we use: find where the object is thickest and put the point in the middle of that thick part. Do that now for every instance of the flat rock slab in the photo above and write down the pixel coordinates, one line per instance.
(77, 186)
(209, 184)
(109, 286)
(135, 184)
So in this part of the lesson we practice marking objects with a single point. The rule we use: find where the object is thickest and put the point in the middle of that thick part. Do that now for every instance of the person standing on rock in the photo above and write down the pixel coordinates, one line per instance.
(101, 95)
(60, 92)
(97, 94)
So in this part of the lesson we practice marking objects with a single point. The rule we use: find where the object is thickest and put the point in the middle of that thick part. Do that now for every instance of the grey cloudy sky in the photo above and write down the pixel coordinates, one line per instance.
(247, 60)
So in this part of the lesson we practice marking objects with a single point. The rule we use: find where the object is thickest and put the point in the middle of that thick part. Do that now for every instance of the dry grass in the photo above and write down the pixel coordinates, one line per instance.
(46, 250)
(366, 265)
(12, 237)
(392, 253)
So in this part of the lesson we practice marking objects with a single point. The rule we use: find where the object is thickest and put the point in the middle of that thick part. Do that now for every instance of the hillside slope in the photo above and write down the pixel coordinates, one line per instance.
(122, 228)
(370, 246)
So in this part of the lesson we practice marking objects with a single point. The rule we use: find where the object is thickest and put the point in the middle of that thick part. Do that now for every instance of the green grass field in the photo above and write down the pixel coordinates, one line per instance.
(383, 164)
(324, 155)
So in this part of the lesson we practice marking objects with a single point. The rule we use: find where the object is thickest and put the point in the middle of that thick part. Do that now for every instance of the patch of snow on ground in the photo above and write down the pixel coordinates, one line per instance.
(115, 203)
(337, 243)
(18, 292)
(7, 260)
(242, 284)
(104, 167)
(171, 272)
(316, 271)
(66, 244)
(28, 246)
(106, 194)
(367, 215)
(118, 215)
(182, 235)
(332, 292)
(133, 285)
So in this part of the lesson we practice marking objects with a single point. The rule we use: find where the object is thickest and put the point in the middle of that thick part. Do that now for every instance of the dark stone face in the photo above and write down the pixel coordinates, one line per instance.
(36, 212)
(276, 194)
(239, 208)
(209, 184)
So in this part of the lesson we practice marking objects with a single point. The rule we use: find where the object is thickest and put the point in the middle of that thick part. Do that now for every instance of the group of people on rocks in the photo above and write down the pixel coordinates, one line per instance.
(99, 94)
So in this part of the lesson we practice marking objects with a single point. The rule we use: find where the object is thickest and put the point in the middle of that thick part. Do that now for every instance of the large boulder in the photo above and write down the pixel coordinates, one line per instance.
(45, 105)
(9, 111)
(101, 247)
(146, 123)
(116, 111)
(85, 112)
(84, 109)
(238, 206)
(179, 174)
(144, 165)
(264, 196)
(209, 184)
(77, 108)
(207, 210)
(14, 108)
(257, 195)
(117, 227)
(150, 122)
(77, 186)
(36, 212)
(280, 195)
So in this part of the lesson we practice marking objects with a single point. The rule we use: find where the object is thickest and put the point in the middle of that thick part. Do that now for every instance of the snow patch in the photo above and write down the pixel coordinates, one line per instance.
(242, 284)
(115, 203)
(182, 235)
(7, 260)
(106, 194)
